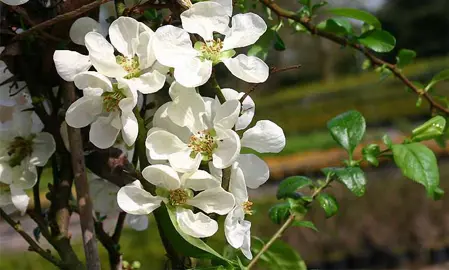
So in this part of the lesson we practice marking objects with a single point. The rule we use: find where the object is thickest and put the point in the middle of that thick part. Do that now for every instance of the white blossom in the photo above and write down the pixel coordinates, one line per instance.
(14, 2)
(178, 192)
(193, 63)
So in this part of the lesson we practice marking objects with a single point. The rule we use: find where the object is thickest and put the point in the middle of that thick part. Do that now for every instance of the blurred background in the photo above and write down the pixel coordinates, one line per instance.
(394, 226)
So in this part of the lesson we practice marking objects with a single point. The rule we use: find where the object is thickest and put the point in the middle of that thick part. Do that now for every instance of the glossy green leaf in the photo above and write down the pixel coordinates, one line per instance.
(328, 203)
(370, 153)
(387, 141)
(279, 256)
(279, 44)
(279, 212)
(262, 46)
(297, 206)
(405, 57)
(352, 177)
(338, 26)
(443, 75)
(378, 40)
(347, 129)
(150, 14)
(429, 130)
(357, 15)
(305, 224)
(289, 186)
(418, 163)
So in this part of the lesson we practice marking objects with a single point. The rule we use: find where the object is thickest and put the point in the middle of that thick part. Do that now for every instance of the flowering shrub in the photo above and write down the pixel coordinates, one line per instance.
(182, 159)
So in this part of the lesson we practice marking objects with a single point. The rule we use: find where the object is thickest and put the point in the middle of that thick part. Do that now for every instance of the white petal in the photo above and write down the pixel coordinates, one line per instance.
(14, 2)
(213, 200)
(124, 34)
(246, 29)
(235, 229)
(91, 79)
(182, 162)
(204, 18)
(102, 132)
(246, 247)
(43, 148)
(248, 107)
(163, 121)
(101, 54)
(20, 199)
(138, 223)
(5, 174)
(130, 128)
(24, 176)
(133, 199)
(199, 180)
(69, 63)
(162, 143)
(83, 111)
(248, 68)
(81, 27)
(193, 72)
(227, 5)
(228, 148)
(197, 225)
(227, 114)
(147, 83)
(162, 176)
(107, 10)
(145, 50)
(237, 184)
(172, 45)
(264, 137)
(254, 169)
(104, 196)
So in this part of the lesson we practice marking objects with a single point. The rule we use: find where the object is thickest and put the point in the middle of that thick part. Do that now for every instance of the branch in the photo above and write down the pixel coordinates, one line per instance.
(140, 9)
(60, 18)
(33, 245)
(82, 187)
(305, 21)
(119, 227)
(115, 257)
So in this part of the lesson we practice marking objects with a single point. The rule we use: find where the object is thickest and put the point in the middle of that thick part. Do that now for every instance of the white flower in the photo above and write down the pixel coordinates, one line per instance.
(104, 200)
(211, 137)
(178, 193)
(237, 229)
(109, 107)
(193, 64)
(135, 64)
(14, 2)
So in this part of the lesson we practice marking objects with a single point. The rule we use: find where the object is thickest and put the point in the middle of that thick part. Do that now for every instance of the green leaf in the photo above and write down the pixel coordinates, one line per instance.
(182, 242)
(318, 6)
(387, 141)
(150, 14)
(279, 212)
(262, 46)
(430, 129)
(347, 129)
(305, 224)
(305, 2)
(357, 15)
(418, 163)
(352, 177)
(378, 40)
(405, 57)
(443, 75)
(289, 186)
(328, 203)
(338, 26)
(279, 44)
(370, 153)
(279, 256)
(297, 206)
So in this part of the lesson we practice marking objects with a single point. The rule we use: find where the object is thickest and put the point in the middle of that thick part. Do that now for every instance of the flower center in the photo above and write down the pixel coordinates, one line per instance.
(19, 149)
(131, 65)
(210, 50)
(178, 196)
(112, 99)
(247, 207)
(204, 143)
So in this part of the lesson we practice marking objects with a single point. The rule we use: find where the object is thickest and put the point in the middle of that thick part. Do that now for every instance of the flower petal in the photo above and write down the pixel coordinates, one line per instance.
(102, 132)
(145, 50)
(162, 143)
(147, 83)
(246, 29)
(227, 5)
(20, 199)
(193, 72)
(83, 111)
(197, 225)
(5, 174)
(248, 68)
(133, 199)
(124, 34)
(163, 121)
(228, 148)
(235, 229)
(14, 2)
(69, 63)
(254, 169)
(81, 27)
(92, 79)
(199, 180)
(24, 176)
(227, 114)
(43, 148)
(137, 222)
(162, 176)
(172, 45)
(264, 137)
(213, 200)
(130, 128)
(104, 196)
(101, 54)
(183, 162)
(248, 107)
(246, 247)
(237, 184)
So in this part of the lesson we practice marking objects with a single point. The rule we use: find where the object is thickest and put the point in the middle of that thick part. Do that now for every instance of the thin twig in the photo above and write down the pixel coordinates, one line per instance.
(115, 257)
(119, 227)
(305, 21)
(33, 245)
(60, 18)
